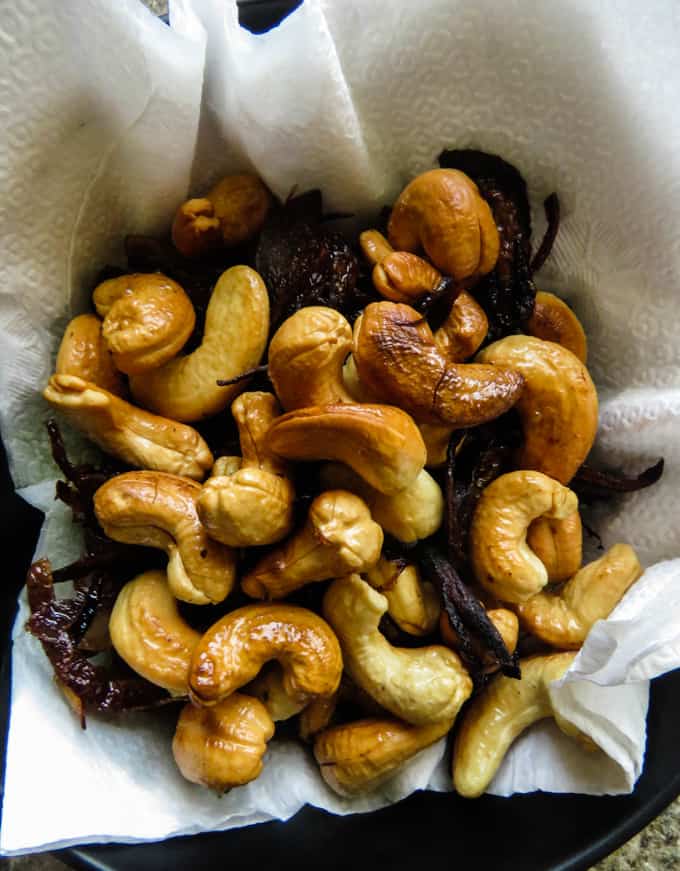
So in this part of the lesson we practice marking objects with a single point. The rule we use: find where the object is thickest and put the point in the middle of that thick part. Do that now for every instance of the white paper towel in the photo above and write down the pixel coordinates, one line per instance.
(103, 137)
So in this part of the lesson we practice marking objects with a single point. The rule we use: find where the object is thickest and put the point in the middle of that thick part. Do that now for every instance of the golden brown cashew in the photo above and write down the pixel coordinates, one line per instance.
(234, 649)
(234, 339)
(269, 689)
(502, 561)
(558, 544)
(499, 715)
(306, 354)
(147, 320)
(374, 246)
(148, 632)
(554, 321)
(338, 537)
(222, 747)
(563, 619)
(415, 512)
(250, 503)
(381, 443)
(159, 510)
(442, 213)
(397, 358)
(422, 685)
(558, 406)
(127, 432)
(358, 757)
(317, 716)
(397, 275)
(83, 353)
(464, 330)
(412, 603)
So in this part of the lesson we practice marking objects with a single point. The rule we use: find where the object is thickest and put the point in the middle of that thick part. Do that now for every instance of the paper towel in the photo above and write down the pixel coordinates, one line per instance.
(104, 137)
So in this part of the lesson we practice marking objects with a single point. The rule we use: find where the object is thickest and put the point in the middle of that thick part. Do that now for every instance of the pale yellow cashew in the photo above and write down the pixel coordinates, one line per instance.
(269, 688)
(412, 603)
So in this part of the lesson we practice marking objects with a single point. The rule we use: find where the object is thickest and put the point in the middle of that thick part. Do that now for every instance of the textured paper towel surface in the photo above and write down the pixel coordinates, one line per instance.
(103, 137)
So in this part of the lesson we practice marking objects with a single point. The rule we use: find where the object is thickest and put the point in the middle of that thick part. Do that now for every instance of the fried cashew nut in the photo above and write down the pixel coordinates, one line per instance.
(421, 685)
(83, 353)
(269, 689)
(558, 544)
(553, 321)
(148, 632)
(464, 330)
(558, 406)
(564, 619)
(338, 537)
(234, 339)
(412, 603)
(252, 502)
(159, 510)
(503, 562)
(133, 435)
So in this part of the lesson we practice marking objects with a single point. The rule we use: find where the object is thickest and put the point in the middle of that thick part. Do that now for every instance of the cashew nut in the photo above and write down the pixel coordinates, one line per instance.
(499, 715)
(234, 649)
(317, 716)
(159, 510)
(554, 321)
(374, 246)
(558, 544)
(223, 746)
(83, 353)
(557, 408)
(381, 443)
(563, 619)
(306, 355)
(253, 503)
(464, 330)
(358, 757)
(412, 513)
(412, 603)
(350, 378)
(422, 685)
(147, 320)
(148, 632)
(338, 537)
(269, 689)
(127, 432)
(405, 277)
(234, 339)
(442, 213)
(436, 438)
(397, 358)
(502, 561)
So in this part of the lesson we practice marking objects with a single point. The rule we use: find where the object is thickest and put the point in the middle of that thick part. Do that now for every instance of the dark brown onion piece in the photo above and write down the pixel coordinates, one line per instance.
(551, 206)
(597, 484)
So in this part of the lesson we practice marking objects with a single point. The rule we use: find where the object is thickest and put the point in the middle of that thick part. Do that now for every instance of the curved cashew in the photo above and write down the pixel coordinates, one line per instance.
(374, 246)
(338, 537)
(506, 623)
(502, 561)
(222, 747)
(232, 212)
(405, 277)
(358, 757)
(464, 330)
(553, 321)
(317, 716)
(234, 649)
(415, 512)
(558, 544)
(381, 443)
(269, 689)
(499, 715)
(159, 510)
(234, 339)
(563, 619)
(558, 407)
(412, 603)
(148, 632)
(127, 432)
(422, 685)
(436, 438)
(147, 320)
(306, 354)
(83, 353)
(397, 358)
(443, 213)
(251, 504)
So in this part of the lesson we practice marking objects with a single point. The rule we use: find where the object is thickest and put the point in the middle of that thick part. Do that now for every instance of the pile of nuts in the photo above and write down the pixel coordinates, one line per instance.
(376, 404)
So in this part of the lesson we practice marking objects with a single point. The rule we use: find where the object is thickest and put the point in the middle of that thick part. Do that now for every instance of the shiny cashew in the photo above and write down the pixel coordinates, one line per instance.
(554, 321)
(563, 619)
(233, 650)
(557, 408)
(502, 561)
(148, 632)
(269, 689)
(463, 331)
(159, 510)
(234, 339)
(147, 320)
(422, 685)
(558, 544)
(412, 603)
(223, 746)
(253, 503)
(381, 443)
(338, 537)
(436, 438)
(127, 432)
(83, 353)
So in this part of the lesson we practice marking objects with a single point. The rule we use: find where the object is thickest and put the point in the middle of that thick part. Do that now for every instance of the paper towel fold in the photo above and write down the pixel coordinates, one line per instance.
(104, 138)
